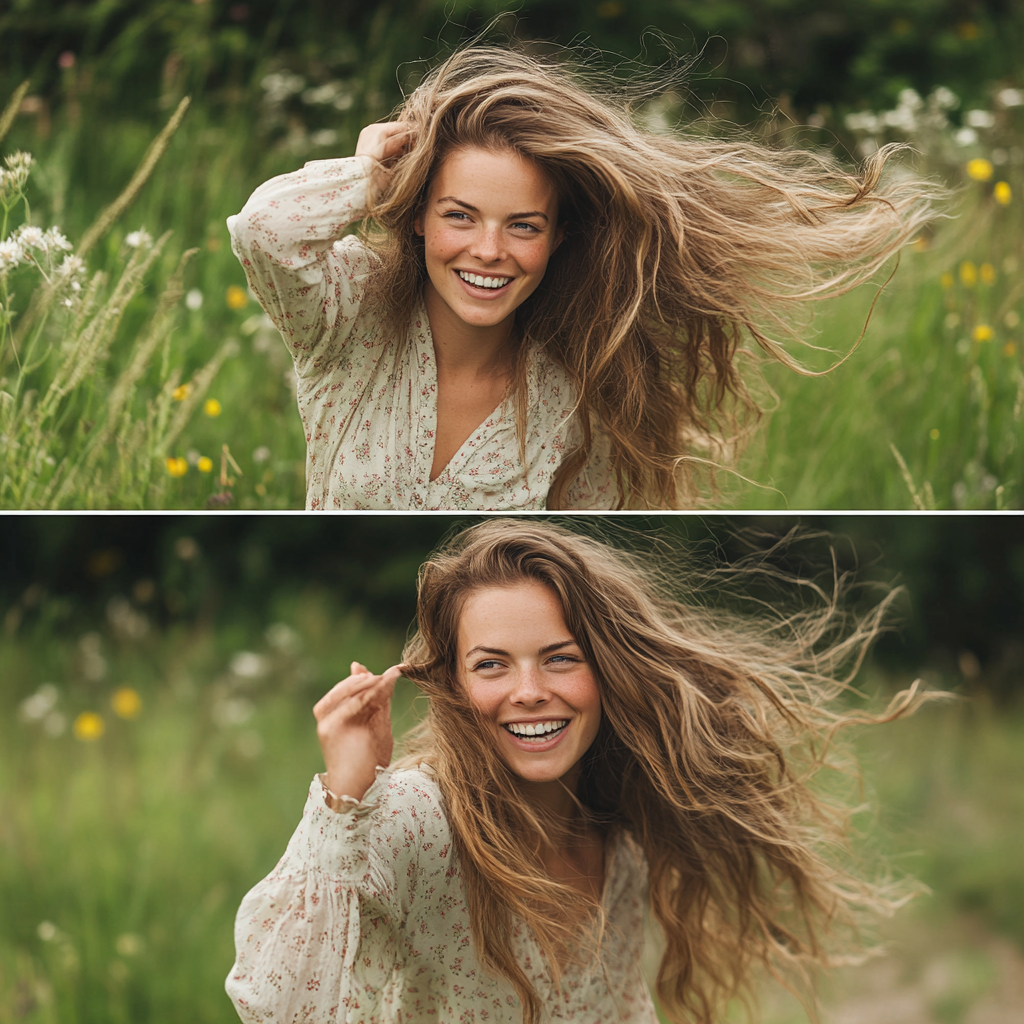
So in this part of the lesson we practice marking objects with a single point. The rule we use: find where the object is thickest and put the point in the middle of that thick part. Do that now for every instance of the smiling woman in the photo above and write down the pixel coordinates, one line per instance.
(546, 301)
(596, 749)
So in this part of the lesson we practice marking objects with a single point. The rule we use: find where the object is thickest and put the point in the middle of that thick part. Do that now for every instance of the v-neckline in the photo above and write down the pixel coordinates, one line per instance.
(428, 435)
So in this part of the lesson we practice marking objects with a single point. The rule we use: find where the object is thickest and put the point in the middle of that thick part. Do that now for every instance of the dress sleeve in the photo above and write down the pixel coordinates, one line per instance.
(308, 278)
(317, 939)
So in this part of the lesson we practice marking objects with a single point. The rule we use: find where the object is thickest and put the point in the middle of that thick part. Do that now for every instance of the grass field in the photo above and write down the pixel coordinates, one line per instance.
(124, 399)
(149, 776)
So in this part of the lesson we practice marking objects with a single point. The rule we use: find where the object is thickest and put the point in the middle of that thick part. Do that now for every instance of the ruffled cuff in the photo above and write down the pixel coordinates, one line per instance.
(337, 842)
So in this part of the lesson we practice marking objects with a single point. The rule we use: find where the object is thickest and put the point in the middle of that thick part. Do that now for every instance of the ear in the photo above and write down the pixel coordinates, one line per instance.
(559, 236)
(417, 224)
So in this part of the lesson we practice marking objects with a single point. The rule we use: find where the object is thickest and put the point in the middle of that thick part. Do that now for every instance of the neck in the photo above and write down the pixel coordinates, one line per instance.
(465, 348)
(554, 797)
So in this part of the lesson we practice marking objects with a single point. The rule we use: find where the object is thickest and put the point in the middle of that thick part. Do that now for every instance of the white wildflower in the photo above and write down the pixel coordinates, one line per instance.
(194, 299)
(19, 161)
(324, 137)
(262, 454)
(862, 122)
(279, 85)
(944, 99)
(39, 705)
(11, 254)
(1011, 97)
(910, 99)
(980, 118)
(55, 240)
(137, 238)
(14, 178)
(965, 137)
(71, 266)
(249, 665)
(30, 235)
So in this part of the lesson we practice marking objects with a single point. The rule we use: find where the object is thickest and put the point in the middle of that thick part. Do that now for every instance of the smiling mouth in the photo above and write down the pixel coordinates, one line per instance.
(485, 283)
(536, 732)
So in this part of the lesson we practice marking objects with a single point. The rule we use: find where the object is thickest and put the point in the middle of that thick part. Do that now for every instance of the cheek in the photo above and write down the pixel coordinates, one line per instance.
(486, 700)
(441, 245)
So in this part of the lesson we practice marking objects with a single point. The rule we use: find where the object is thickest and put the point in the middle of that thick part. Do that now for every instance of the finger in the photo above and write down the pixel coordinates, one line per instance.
(361, 705)
(348, 687)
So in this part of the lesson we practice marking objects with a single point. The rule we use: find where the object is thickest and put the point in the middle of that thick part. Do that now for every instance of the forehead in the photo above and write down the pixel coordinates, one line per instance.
(492, 179)
(526, 610)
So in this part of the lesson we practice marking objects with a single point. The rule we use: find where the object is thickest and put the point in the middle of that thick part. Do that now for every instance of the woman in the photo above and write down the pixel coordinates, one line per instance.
(595, 746)
(549, 308)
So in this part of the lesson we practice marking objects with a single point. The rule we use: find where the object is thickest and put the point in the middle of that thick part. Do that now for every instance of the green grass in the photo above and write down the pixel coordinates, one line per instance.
(124, 858)
(952, 407)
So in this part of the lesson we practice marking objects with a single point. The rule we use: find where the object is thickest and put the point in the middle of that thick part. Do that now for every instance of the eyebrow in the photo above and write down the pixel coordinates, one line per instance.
(473, 209)
(543, 650)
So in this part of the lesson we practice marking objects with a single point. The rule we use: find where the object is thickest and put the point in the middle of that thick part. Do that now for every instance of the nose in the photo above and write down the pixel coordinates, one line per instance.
(530, 688)
(488, 245)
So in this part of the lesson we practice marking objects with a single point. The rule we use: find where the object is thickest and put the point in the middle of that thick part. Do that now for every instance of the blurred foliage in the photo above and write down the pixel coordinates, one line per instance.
(964, 613)
(750, 51)
(151, 772)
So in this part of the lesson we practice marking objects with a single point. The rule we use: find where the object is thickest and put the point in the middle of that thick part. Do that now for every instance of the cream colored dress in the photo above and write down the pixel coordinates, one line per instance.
(364, 921)
(368, 401)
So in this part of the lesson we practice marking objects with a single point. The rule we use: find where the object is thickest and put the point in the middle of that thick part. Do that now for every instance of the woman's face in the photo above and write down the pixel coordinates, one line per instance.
(489, 226)
(527, 676)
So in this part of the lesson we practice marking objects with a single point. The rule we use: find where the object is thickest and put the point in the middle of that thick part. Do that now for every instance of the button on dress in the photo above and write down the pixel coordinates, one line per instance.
(364, 921)
(369, 401)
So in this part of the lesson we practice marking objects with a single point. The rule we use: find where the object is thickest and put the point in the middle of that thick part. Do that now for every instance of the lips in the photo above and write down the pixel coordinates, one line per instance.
(482, 291)
(537, 744)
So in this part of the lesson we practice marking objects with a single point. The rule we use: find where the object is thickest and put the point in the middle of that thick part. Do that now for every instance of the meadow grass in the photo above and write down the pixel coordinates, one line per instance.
(921, 415)
(160, 773)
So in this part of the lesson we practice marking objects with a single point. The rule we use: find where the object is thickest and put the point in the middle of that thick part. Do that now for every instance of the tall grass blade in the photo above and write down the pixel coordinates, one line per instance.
(12, 108)
(156, 150)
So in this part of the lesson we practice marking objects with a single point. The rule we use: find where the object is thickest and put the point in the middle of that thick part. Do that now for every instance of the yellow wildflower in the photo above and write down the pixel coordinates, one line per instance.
(982, 333)
(211, 407)
(987, 273)
(1010, 349)
(979, 169)
(177, 466)
(946, 280)
(88, 726)
(1002, 193)
(126, 703)
(204, 464)
(934, 433)
(180, 393)
(610, 9)
(236, 297)
(968, 30)
(968, 274)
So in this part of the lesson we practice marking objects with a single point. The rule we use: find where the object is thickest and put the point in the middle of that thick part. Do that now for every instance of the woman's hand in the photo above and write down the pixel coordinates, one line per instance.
(353, 724)
(383, 143)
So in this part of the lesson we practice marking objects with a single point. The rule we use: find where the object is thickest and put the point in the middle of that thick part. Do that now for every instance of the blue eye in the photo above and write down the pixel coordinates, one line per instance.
(529, 227)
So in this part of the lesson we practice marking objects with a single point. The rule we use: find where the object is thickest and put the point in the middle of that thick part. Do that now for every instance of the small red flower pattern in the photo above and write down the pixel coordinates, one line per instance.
(368, 401)
(364, 921)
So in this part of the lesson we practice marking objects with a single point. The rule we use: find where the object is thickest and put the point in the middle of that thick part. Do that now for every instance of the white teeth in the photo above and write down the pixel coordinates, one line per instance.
(484, 282)
(536, 729)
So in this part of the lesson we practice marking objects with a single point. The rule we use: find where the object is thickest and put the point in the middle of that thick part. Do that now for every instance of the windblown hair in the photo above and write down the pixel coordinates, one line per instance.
(675, 244)
(713, 727)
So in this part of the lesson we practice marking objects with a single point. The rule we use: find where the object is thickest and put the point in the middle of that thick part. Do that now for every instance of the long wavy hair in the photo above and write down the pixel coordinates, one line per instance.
(714, 725)
(675, 245)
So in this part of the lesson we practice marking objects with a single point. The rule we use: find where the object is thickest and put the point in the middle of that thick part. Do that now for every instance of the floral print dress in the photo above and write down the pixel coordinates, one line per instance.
(364, 921)
(368, 403)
